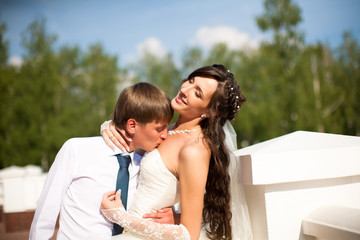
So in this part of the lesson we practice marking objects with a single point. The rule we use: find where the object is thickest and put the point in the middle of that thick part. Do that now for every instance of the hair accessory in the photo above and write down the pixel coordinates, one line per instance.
(203, 115)
(228, 70)
(231, 89)
(237, 97)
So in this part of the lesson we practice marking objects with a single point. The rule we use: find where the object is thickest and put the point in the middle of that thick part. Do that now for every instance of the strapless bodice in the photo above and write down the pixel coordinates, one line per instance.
(158, 187)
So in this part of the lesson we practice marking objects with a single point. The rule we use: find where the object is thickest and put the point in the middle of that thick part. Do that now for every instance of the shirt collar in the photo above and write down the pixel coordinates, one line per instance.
(135, 158)
(109, 152)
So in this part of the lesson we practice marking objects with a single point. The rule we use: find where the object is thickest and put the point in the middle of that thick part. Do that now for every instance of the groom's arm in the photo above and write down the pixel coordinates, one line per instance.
(58, 180)
(164, 215)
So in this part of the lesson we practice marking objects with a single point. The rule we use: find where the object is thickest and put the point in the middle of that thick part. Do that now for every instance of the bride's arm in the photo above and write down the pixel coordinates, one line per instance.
(193, 170)
(114, 211)
(112, 136)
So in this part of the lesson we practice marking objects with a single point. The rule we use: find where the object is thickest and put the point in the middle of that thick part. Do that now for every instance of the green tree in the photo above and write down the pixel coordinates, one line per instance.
(192, 59)
(53, 96)
(30, 100)
(4, 46)
(271, 72)
(161, 72)
(345, 106)
(281, 17)
(7, 94)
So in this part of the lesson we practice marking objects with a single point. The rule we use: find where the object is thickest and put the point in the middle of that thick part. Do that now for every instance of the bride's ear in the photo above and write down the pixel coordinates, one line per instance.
(209, 113)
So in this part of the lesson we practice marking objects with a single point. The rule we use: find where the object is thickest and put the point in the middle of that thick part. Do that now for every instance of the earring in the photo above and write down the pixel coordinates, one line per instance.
(203, 115)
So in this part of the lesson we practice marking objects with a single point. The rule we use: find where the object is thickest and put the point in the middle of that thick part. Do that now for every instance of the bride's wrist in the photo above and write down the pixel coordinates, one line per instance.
(105, 126)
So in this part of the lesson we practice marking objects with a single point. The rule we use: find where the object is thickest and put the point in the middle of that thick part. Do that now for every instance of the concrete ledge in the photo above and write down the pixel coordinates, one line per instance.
(332, 223)
(300, 156)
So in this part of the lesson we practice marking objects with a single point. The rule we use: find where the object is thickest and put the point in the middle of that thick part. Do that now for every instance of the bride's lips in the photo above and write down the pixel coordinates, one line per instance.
(179, 100)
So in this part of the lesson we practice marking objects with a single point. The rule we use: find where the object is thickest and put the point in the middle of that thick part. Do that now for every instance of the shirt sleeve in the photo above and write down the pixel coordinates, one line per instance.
(149, 229)
(58, 180)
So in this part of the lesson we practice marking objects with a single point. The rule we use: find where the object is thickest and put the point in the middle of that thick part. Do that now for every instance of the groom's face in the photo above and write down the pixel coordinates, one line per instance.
(149, 136)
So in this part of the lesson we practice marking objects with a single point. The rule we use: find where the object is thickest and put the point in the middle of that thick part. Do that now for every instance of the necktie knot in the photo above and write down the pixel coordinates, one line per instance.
(124, 161)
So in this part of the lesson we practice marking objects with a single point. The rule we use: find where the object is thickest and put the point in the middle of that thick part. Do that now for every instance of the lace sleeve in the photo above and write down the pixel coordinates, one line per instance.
(105, 126)
(149, 229)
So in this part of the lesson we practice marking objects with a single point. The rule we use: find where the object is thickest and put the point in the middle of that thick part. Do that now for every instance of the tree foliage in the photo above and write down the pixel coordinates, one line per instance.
(53, 96)
(160, 71)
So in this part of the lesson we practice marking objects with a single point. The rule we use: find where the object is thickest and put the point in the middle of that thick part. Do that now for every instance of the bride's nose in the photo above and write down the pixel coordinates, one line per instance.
(185, 89)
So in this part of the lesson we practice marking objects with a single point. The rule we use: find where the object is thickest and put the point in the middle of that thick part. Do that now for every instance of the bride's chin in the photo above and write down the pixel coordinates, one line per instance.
(175, 108)
(174, 104)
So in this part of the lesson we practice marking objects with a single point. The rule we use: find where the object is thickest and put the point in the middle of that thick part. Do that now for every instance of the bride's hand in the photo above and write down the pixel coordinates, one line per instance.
(111, 200)
(112, 136)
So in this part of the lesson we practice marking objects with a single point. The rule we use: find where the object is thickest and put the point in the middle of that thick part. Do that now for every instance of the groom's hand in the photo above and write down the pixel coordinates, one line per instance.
(164, 215)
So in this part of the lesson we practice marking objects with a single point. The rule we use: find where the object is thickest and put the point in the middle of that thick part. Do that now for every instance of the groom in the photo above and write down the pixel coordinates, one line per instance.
(85, 168)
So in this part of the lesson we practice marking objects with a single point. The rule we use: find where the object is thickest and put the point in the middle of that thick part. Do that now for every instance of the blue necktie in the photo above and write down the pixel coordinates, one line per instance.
(122, 183)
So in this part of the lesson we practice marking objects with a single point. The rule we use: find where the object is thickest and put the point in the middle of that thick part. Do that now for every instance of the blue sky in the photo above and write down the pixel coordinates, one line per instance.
(125, 28)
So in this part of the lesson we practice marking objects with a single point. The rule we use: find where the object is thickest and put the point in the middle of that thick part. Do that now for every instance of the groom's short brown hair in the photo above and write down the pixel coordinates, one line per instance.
(143, 102)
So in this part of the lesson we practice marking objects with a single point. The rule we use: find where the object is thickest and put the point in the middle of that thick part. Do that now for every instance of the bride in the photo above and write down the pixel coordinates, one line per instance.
(194, 165)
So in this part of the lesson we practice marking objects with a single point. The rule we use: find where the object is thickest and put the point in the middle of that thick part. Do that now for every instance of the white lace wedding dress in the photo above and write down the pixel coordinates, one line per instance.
(159, 188)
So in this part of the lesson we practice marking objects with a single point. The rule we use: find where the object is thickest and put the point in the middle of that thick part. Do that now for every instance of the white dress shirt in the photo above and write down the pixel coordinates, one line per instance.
(83, 170)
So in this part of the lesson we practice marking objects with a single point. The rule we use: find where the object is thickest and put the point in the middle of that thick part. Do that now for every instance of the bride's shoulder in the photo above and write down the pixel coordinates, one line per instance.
(195, 150)
(194, 162)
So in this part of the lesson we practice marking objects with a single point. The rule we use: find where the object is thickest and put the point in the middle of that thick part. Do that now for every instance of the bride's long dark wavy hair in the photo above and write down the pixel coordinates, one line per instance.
(224, 105)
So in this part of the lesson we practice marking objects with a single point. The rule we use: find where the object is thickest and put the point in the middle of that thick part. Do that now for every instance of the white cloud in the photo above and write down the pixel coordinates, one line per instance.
(207, 37)
(153, 46)
(16, 61)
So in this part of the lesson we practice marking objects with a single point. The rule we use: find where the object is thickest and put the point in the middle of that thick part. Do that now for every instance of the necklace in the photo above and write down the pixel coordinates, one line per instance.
(172, 132)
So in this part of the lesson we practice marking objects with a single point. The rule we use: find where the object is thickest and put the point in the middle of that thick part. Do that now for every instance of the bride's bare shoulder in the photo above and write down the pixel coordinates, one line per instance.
(195, 149)
(185, 145)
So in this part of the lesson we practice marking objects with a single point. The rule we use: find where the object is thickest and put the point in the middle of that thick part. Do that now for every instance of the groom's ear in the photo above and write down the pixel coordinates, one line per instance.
(131, 126)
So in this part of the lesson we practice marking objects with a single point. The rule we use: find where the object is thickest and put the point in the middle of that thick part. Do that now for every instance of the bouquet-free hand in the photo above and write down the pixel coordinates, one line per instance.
(111, 200)
(115, 136)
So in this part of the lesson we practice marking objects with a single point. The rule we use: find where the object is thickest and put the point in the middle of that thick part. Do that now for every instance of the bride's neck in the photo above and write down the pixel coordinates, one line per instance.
(183, 124)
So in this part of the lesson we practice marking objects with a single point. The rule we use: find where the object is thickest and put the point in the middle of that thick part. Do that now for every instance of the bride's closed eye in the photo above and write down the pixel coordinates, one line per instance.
(197, 94)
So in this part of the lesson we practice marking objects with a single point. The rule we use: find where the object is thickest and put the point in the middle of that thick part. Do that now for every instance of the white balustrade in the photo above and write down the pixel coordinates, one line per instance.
(287, 178)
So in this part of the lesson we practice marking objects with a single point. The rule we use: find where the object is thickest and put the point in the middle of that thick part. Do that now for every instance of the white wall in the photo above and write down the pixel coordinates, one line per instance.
(289, 177)
(20, 188)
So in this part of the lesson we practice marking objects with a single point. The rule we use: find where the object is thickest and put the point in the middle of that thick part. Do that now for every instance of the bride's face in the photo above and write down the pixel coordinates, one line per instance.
(194, 97)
